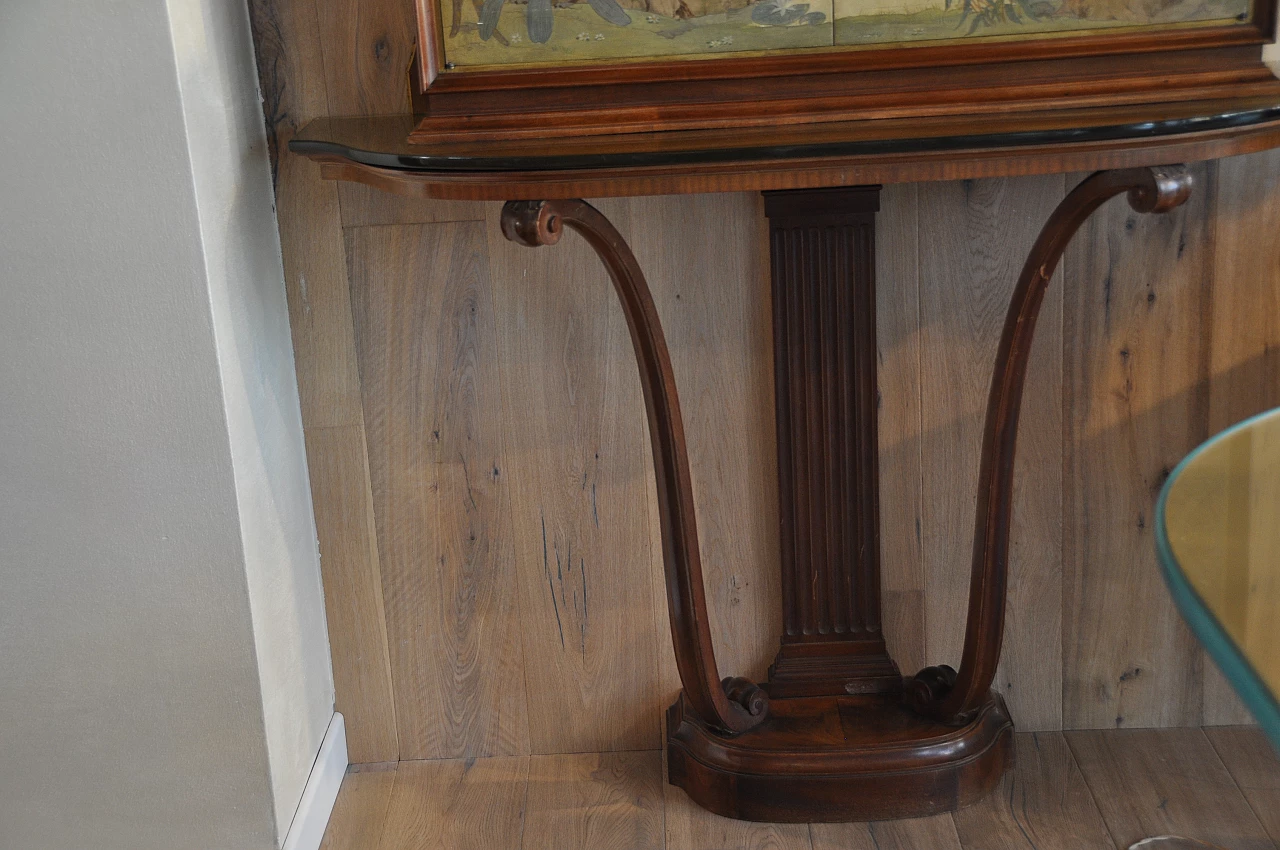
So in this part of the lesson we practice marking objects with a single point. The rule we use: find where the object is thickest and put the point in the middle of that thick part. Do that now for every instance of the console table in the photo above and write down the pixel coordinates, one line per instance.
(837, 733)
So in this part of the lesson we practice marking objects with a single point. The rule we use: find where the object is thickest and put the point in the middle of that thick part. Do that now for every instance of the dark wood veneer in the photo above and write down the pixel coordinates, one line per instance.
(860, 152)
(823, 267)
(556, 110)
(831, 759)
(1123, 65)
(808, 61)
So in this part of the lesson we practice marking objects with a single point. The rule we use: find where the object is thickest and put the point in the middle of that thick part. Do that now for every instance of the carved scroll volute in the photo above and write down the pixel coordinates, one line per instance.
(733, 705)
(941, 692)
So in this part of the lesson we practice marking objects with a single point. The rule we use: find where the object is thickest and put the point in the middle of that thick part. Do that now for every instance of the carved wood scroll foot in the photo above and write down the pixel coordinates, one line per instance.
(941, 692)
(733, 705)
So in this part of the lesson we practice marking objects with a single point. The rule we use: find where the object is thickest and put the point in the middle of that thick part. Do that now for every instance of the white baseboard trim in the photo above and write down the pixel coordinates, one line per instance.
(307, 830)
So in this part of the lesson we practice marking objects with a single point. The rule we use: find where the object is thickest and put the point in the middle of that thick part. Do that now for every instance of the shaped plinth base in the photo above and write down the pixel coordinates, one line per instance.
(838, 759)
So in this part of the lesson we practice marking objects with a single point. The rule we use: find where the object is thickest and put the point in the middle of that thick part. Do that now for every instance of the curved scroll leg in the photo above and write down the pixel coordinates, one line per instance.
(734, 705)
(941, 692)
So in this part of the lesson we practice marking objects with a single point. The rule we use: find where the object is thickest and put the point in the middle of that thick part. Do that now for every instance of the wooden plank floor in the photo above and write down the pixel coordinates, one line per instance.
(1088, 790)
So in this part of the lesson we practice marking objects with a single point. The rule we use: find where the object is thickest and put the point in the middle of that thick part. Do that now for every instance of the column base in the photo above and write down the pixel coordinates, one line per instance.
(833, 668)
(839, 759)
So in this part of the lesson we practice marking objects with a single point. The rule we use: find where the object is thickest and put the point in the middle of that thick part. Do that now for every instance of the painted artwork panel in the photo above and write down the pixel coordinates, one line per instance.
(506, 32)
(489, 33)
(860, 22)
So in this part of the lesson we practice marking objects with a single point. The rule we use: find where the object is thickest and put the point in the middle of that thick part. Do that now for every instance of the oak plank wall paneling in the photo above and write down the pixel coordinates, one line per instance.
(973, 237)
(1138, 401)
(363, 205)
(902, 577)
(428, 344)
(577, 470)
(718, 331)
(354, 602)
(367, 47)
(320, 309)
(461, 394)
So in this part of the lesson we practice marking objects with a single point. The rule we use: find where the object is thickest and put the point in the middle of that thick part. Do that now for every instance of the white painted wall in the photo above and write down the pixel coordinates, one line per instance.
(164, 673)
(227, 141)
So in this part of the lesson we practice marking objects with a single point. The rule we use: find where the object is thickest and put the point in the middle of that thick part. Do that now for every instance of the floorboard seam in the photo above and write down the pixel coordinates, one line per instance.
(1089, 785)
(1235, 782)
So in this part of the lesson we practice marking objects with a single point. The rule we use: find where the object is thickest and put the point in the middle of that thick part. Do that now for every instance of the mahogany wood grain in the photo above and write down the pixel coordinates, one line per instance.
(823, 61)
(813, 172)
(428, 60)
(952, 695)
(838, 759)
(823, 272)
(1055, 124)
(872, 757)
(691, 827)
(771, 101)
(835, 782)
(736, 705)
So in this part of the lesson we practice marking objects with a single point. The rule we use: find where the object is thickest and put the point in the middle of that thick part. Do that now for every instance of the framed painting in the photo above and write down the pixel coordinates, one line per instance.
(533, 68)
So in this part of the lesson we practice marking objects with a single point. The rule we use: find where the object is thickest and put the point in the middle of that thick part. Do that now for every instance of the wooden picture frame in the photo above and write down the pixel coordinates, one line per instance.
(968, 75)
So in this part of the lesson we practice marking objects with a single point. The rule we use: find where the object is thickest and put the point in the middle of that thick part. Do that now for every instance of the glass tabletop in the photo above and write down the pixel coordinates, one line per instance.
(1218, 540)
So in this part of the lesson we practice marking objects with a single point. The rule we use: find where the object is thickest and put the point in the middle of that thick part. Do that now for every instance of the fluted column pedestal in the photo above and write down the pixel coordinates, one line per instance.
(822, 249)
